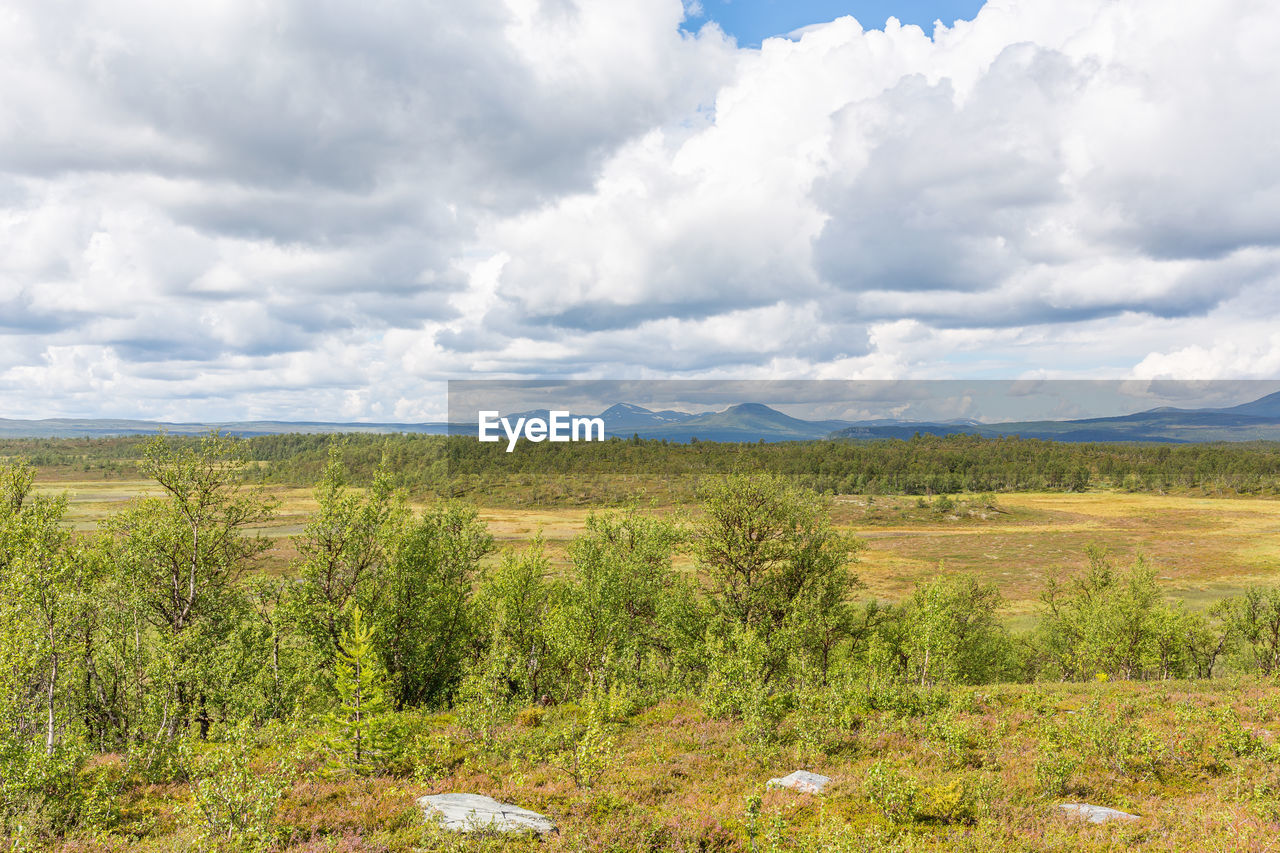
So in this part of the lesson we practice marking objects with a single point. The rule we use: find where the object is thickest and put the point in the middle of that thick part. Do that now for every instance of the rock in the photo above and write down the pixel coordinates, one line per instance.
(1095, 814)
(801, 780)
(469, 812)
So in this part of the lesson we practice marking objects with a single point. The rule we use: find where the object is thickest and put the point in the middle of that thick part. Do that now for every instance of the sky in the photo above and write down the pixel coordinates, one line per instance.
(324, 210)
(752, 21)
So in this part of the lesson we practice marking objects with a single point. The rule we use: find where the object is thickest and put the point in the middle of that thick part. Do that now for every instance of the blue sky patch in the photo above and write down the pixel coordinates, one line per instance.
(752, 21)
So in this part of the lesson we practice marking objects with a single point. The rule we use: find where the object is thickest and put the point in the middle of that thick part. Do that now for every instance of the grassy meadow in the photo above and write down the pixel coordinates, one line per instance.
(973, 770)
(1205, 547)
(914, 767)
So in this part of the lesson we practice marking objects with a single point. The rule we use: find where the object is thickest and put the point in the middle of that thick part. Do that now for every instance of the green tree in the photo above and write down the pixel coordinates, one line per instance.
(771, 553)
(952, 633)
(184, 553)
(45, 593)
(360, 683)
(46, 600)
(1105, 620)
(345, 550)
(269, 637)
(53, 582)
(425, 614)
(1254, 621)
(518, 602)
(630, 615)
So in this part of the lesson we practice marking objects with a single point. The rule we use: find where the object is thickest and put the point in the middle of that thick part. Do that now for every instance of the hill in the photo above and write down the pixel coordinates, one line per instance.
(1258, 420)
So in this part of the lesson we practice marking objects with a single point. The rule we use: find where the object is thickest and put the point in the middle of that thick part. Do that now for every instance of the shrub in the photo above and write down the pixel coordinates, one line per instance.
(1053, 772)
(40, 795)
(951, 802)
(359, 680)
(896, 795)
(234, 804)
(965, 744)
(529, 717)
(588, 750)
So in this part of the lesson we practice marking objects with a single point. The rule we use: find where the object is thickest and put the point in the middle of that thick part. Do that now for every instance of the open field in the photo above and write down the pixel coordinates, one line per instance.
(1205, 548)
(966, 769)
(915, 765)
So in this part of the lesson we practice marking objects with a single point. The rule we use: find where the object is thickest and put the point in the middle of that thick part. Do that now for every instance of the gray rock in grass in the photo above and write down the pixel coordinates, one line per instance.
(801, 780)
(1095, 814)
(472, 812)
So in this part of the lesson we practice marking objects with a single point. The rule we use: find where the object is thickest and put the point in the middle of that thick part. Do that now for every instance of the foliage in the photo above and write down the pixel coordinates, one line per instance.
(617, 470)
(778, 569)
(41, 795)
(143, 671)
(517, 602)
(1253, 620)
(362, 699)
(181, 557)
(950, 633)
(632, 617)
(1118, 624)
(345, 549)
(894, 793)
(588, 750)
(234, 803)
(423, 609)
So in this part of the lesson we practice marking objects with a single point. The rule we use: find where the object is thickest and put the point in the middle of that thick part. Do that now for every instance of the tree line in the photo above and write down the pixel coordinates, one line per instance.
(619, 469)
(922, 465)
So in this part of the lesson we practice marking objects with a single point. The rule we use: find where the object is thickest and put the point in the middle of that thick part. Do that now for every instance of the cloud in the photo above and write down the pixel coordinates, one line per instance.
(1039, 168)
(235, 183)
(1254, 358)
(323, 209)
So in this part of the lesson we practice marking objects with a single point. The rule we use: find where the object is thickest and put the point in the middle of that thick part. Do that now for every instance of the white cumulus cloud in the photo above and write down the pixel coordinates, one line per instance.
(326, 209)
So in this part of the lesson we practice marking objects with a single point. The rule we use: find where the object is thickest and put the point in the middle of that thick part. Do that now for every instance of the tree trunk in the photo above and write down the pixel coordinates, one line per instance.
(53, 683)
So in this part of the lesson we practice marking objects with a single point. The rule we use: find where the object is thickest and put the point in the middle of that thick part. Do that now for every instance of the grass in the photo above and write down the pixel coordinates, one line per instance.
(965, 769)
(1205, 548)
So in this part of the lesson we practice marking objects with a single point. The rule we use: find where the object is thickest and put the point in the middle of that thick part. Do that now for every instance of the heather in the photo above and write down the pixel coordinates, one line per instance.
(174, 681)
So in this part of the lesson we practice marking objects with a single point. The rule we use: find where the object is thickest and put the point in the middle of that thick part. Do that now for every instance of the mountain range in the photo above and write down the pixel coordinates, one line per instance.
(1252, 421)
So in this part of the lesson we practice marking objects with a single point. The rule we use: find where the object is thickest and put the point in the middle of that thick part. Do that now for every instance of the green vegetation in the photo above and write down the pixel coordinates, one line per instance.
(162, 690)
(617, 471)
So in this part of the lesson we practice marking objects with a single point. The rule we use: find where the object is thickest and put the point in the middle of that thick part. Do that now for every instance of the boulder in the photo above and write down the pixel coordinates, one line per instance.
(470, 812)
(1095, 814)
(801, 780)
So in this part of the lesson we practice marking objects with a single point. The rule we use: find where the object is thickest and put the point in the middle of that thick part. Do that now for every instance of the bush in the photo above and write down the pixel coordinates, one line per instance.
(40, 795)
(737, 663)
(952, 802)
(1053, 772)
(234, 804)
(896, 795)
(588, 750)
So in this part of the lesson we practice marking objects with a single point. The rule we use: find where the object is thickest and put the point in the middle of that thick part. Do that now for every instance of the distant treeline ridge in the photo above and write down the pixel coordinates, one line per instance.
(619, 468)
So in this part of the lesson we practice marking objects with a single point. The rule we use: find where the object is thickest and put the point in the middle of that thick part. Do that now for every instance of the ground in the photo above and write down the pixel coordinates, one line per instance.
(965, 769)
(958, 769)
(1205, 547)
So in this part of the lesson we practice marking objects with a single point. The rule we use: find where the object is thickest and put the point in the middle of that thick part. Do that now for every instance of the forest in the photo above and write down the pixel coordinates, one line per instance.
(161, 691)
(619, 470)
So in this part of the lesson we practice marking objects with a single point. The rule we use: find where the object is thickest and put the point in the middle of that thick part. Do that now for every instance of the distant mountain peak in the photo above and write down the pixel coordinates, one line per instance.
(628, 416)
(625, 408)
(1268, 406)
